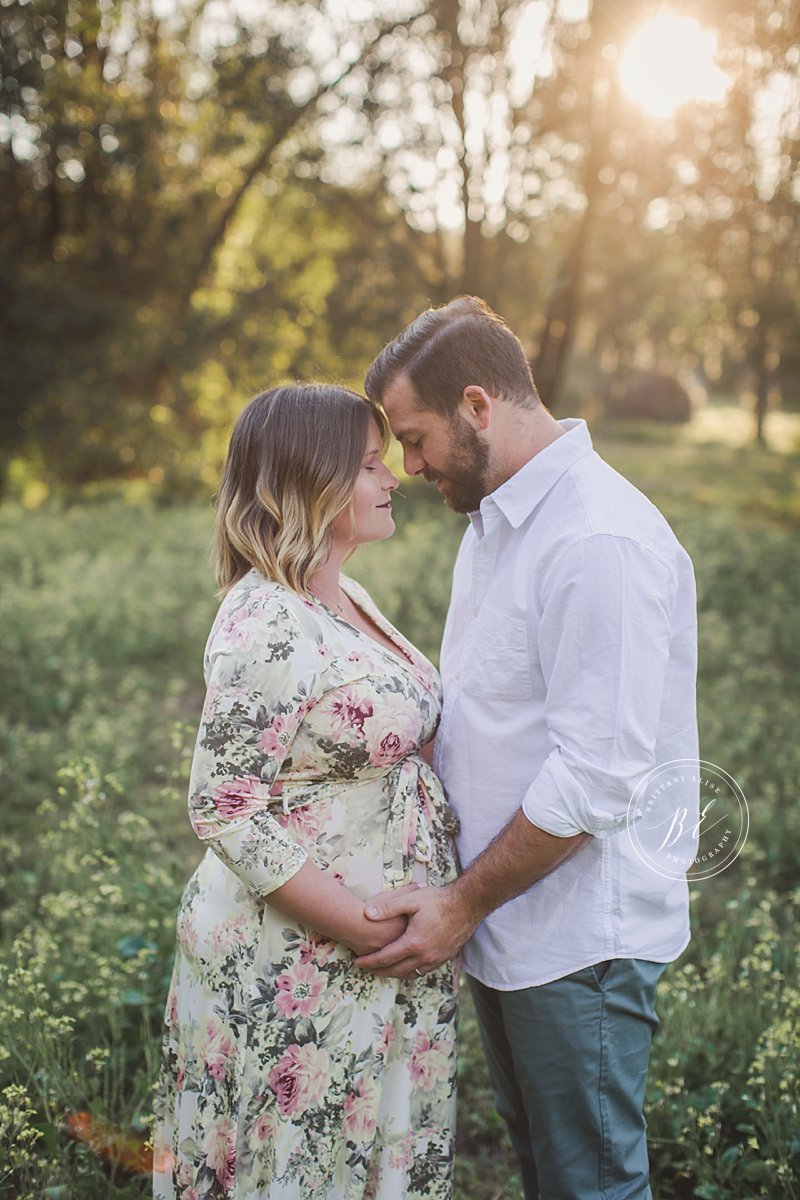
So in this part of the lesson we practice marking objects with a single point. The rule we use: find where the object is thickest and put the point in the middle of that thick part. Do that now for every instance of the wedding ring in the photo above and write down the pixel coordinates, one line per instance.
(418, 972)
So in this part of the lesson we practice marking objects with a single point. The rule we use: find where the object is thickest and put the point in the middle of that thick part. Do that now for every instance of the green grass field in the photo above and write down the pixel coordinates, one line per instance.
(105, 609)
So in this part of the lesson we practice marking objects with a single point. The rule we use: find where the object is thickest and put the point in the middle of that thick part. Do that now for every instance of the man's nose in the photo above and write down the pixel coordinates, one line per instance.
(413, 461)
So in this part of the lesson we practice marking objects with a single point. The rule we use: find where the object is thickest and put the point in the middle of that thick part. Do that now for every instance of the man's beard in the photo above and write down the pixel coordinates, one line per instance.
(467, 468)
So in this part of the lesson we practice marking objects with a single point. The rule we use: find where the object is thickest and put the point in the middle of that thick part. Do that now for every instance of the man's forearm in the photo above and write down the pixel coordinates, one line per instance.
(519, 857)
(442, 919)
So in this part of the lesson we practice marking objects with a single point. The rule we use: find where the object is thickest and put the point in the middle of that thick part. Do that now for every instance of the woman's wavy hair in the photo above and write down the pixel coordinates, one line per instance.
(292, 464)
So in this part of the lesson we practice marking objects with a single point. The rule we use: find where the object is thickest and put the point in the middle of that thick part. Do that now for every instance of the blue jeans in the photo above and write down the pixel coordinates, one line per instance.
(568, 1063)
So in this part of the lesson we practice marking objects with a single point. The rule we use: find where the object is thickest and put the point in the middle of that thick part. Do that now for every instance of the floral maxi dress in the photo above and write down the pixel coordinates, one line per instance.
(287, 1073)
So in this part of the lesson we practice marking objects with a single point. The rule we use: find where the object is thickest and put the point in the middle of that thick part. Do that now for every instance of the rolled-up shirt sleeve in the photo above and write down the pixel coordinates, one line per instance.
(262, 677)
(604, 648)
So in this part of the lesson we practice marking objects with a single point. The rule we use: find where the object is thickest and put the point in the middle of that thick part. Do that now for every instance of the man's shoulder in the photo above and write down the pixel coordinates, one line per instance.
(599, 500)
(594, 506)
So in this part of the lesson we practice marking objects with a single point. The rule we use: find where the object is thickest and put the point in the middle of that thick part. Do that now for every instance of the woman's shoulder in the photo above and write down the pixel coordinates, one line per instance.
(356, 591)
(255, 600)
(359, 594)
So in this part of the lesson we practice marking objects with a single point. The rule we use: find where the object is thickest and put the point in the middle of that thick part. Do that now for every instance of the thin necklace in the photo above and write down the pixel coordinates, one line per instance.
(325, 595)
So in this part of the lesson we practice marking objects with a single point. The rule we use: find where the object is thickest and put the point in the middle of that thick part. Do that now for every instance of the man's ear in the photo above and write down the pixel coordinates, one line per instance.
(476, 407)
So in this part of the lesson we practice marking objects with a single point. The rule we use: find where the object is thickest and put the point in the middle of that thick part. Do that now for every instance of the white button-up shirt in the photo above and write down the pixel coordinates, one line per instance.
(569, 667)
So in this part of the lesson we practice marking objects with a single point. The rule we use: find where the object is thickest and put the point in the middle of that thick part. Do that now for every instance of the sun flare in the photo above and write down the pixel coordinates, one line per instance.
(670, 61)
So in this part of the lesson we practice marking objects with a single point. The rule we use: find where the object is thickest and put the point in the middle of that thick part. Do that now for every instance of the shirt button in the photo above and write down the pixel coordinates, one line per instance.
(475, 611)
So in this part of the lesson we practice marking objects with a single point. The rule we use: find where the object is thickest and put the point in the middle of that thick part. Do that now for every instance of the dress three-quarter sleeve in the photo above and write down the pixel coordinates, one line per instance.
(262, 675)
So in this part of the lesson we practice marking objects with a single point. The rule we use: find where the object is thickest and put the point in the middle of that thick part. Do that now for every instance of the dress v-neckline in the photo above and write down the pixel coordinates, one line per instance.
(403, 657)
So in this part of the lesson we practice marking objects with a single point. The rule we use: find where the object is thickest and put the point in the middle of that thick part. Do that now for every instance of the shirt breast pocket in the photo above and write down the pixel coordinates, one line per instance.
(499, 666)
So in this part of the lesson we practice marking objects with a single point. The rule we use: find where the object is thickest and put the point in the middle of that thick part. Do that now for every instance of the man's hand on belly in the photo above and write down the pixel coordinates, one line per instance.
(440, 920)
(439, 923)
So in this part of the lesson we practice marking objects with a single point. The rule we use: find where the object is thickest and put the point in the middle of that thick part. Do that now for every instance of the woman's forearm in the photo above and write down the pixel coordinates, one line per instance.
(314, 899)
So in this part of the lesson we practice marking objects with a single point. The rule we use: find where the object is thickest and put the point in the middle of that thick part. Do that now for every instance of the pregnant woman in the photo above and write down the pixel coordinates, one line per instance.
(287, 1072)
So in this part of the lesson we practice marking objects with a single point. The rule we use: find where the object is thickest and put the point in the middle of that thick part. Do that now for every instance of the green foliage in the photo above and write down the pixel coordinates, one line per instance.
(84, 969)
(166, 246)
(103, 608)
(106, 609)
(724, 1087)
(193, 206)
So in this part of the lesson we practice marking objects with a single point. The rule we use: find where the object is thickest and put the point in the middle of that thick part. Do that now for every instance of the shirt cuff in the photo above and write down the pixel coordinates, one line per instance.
(563, 804)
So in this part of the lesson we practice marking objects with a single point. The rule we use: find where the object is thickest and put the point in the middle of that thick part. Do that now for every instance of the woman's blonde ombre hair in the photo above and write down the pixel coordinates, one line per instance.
(292, 464)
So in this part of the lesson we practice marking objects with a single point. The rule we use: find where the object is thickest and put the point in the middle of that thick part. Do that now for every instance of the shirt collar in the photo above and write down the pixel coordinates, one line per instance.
(519, 495)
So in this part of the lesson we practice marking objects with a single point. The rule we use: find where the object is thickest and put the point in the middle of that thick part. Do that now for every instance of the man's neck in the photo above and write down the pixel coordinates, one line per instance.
(524, 434)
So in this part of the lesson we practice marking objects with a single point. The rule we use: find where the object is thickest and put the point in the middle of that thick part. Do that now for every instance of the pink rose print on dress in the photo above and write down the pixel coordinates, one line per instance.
(373, 1185)
(430, 1062)
(265, 1127)
(301, 1078)
(229, 933)
(299, 990)
(219, 1147)
(185, 1175)
(392, 731)
(216, 1049)
(239, 797)
(187, 933)
(277, 737)
(360, 1111)
(237, 629)
(401, 1158)
(316, 948)
(307, 822)
(387, 1038)
(345, 711)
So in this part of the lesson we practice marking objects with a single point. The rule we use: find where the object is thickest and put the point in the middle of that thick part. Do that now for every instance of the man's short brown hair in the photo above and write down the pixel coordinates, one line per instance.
(446, 349)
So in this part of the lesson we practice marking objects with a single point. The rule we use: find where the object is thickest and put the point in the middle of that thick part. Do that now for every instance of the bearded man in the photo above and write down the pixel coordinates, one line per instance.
(568, 667)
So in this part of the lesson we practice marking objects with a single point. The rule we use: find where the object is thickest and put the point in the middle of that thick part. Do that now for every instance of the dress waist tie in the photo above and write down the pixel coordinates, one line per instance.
(410, 784)
(408, 835)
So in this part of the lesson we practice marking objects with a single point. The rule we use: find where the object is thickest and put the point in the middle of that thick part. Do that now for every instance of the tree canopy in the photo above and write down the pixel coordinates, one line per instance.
(200, 199)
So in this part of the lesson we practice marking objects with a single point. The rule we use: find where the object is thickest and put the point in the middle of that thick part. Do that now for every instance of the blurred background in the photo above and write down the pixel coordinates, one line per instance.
(202, 198)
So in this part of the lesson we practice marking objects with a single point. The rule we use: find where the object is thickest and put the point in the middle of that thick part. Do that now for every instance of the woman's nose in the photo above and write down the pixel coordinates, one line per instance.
(390, 481)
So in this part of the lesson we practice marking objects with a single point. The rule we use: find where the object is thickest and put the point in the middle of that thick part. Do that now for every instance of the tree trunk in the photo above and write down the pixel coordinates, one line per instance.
(564, 309)
(761, 377)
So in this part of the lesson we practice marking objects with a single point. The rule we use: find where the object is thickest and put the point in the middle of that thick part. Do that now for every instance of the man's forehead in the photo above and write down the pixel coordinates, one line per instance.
(413, 423)
(406, 415)
(399, 396)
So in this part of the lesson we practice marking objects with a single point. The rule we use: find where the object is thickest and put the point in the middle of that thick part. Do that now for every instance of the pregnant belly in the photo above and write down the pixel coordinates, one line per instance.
(344, 834)
(217, 912)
